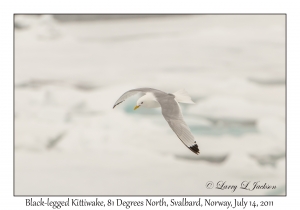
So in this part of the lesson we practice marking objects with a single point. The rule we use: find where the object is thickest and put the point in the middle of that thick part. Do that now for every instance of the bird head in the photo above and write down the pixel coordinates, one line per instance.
(139, 103)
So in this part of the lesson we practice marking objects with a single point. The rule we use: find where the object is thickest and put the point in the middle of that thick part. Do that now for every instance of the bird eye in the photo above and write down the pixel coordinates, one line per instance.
(142, 102)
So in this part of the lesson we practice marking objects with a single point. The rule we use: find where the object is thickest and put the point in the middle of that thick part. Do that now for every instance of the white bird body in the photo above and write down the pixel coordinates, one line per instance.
(149, 100)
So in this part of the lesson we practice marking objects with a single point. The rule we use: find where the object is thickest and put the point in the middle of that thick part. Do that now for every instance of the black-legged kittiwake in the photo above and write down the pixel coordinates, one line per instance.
(170, 109)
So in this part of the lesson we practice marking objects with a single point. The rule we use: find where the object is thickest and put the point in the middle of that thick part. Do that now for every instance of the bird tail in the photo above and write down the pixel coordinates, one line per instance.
(182, 96)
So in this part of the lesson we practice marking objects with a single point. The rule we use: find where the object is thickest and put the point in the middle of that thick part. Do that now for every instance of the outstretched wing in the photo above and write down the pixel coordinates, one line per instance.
(125, 96)
(132, 92)
(172, 114)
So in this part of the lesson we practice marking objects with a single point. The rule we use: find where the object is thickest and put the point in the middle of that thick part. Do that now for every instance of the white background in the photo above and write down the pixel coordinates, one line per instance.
(8, 8)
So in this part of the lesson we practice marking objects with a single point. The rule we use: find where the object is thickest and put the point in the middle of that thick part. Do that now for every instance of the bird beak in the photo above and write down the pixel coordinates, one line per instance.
(136, 107)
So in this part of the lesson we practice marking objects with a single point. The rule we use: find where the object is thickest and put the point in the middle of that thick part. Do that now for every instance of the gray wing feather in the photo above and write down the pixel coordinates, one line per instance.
(125, 96)
(172, 114)
(132, 92)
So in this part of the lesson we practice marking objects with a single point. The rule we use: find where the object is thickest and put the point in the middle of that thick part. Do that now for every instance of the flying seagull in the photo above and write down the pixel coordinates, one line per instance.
(170, 109)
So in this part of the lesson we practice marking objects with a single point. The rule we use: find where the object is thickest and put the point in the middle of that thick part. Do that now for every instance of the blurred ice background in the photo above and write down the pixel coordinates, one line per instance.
(70, 69)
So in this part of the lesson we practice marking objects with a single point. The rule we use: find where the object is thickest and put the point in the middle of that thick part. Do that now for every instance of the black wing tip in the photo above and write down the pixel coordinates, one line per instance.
(195, 149)
(117, 104)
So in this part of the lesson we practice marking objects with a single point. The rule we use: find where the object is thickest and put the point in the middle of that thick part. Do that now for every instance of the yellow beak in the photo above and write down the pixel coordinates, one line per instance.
(136, 107)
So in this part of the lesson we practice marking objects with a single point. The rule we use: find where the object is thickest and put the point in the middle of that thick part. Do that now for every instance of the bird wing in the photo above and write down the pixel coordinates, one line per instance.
(172, 114)
(132, 92)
